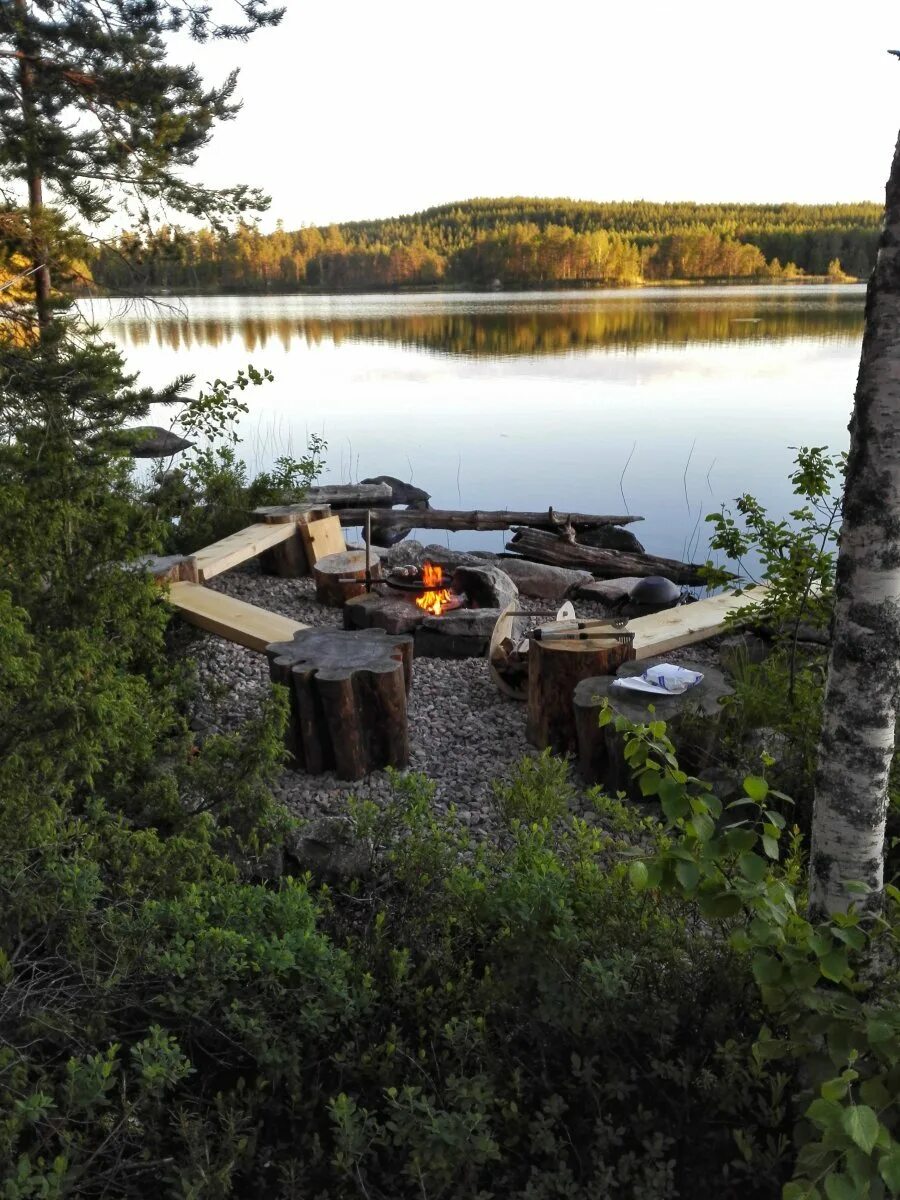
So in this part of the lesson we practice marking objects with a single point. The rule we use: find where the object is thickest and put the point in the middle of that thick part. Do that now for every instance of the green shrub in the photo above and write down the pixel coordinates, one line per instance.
(470, 1020)
(538, 789)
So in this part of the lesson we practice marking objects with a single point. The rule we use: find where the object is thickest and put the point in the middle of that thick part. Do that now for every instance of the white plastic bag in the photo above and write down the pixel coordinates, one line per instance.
(664, 679)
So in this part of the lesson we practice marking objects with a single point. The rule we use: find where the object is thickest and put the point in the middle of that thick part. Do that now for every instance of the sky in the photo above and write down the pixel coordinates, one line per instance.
(354, 109)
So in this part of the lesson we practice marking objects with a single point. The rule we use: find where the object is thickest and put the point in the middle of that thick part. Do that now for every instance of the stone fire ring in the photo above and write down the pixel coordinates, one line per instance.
(459, 633)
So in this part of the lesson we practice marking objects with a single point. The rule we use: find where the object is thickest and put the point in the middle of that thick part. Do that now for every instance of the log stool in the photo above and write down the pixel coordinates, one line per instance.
(341, 577)
(348, 698)
(554, 668)
(691, 718)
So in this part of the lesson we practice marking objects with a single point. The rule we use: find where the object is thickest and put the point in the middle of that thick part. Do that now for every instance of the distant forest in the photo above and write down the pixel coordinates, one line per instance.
(510, 243)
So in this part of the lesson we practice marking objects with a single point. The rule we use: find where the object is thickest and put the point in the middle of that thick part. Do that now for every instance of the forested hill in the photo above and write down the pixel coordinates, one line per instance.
(516, 242)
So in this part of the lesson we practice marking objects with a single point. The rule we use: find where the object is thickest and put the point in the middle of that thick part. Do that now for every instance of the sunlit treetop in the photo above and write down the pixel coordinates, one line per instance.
(91, 109)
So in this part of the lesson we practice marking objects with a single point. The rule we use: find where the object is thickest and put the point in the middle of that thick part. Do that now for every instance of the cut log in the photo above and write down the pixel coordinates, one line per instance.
(341, 577)
(554, 668)
(348, 699)
(691, 719)
(288, 559)
(451, 518)
(339, 495)
(170, 568)
(542, 546)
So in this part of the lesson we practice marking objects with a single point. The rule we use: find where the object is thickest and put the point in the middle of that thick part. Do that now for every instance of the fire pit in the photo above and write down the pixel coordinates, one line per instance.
(430, 590)
(449, 617)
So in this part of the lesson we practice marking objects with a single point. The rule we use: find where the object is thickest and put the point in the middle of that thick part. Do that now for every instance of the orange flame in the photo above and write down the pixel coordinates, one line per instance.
(435, 598)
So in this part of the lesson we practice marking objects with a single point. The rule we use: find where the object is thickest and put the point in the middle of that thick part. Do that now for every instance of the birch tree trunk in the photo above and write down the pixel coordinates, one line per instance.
(861, 696)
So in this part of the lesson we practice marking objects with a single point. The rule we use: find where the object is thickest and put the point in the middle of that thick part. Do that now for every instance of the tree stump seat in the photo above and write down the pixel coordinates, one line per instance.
(341, 577)
(554, 668)
(691, 718)
(348, 694)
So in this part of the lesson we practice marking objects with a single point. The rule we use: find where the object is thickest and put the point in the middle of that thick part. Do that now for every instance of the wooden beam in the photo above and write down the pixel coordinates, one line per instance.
(246, 543)
(663, 631)
(321, 538)
(234, 620)
(451, 518)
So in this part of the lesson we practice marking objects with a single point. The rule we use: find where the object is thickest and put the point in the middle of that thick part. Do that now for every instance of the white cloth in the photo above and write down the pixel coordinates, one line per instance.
(661, 680)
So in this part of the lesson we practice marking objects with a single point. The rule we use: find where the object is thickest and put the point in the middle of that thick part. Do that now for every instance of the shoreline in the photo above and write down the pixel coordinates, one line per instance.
(563, 285)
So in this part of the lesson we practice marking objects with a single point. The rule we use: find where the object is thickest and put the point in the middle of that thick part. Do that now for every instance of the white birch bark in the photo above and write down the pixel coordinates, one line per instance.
(861, 695)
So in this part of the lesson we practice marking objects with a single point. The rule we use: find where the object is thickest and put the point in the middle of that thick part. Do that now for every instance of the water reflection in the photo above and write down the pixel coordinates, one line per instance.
(501, 330)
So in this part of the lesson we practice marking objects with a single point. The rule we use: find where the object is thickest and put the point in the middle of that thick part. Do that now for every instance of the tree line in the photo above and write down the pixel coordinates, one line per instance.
(514, 243)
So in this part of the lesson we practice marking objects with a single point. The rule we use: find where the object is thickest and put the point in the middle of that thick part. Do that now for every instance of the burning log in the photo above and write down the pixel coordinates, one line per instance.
(451, 518)
(543, 547)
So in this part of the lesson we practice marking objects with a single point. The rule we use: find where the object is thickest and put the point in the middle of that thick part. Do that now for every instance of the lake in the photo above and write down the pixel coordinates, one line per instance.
(666, 402)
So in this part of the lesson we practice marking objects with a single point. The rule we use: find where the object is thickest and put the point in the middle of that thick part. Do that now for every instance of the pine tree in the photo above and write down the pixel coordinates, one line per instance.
(93, 116)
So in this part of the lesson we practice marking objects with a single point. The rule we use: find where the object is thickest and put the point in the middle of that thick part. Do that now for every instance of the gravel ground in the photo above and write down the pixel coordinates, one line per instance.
(463, 733)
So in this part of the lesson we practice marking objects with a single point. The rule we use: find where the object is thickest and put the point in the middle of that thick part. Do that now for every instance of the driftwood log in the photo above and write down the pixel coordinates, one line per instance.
(348, 699)
(691, 719)
(341, 577)
(554, 669)
(541, 546)
(452, 518)
(339, 495)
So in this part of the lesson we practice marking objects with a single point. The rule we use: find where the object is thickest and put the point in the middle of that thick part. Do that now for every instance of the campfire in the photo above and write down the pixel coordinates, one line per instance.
(436, 598)
(429, 590)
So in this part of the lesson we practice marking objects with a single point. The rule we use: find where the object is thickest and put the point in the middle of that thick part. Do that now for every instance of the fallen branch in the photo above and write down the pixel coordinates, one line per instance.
(537, 545)
(451, 518)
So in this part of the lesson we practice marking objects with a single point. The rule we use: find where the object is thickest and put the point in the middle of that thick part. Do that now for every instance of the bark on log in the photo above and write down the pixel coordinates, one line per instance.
(339, 495)
(861, 695)
(452, 518)
(554, 669)
(340, 577)
(692, 720)
(348, 699)
(541, 546)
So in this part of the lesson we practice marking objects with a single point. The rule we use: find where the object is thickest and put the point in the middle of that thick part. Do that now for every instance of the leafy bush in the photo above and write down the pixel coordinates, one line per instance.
(470, 1020)
(830, 988)
(796, 554)
(538, 789)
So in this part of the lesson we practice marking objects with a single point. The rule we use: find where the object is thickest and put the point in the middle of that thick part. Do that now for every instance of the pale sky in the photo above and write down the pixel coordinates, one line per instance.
(354, 109)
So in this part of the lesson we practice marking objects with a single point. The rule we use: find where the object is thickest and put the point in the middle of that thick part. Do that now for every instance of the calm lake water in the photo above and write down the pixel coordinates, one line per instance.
(677, 400)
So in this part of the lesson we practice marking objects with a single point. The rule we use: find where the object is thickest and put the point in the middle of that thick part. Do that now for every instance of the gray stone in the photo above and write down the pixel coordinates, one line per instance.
(742, 648)
(464, 622)
(610, 537)
(485, 587)
(410, 554)
(401, 493)
(608, 591)
(329, 849)
(544, 582)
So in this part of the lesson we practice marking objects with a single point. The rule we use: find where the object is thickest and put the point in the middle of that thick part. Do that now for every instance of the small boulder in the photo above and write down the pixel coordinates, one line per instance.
(402, 493)
(329, 849)
(609, 537)
(544, 582)
(485, 587)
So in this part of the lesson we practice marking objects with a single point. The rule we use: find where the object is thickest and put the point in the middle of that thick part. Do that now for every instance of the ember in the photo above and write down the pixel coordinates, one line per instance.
(436, 598)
